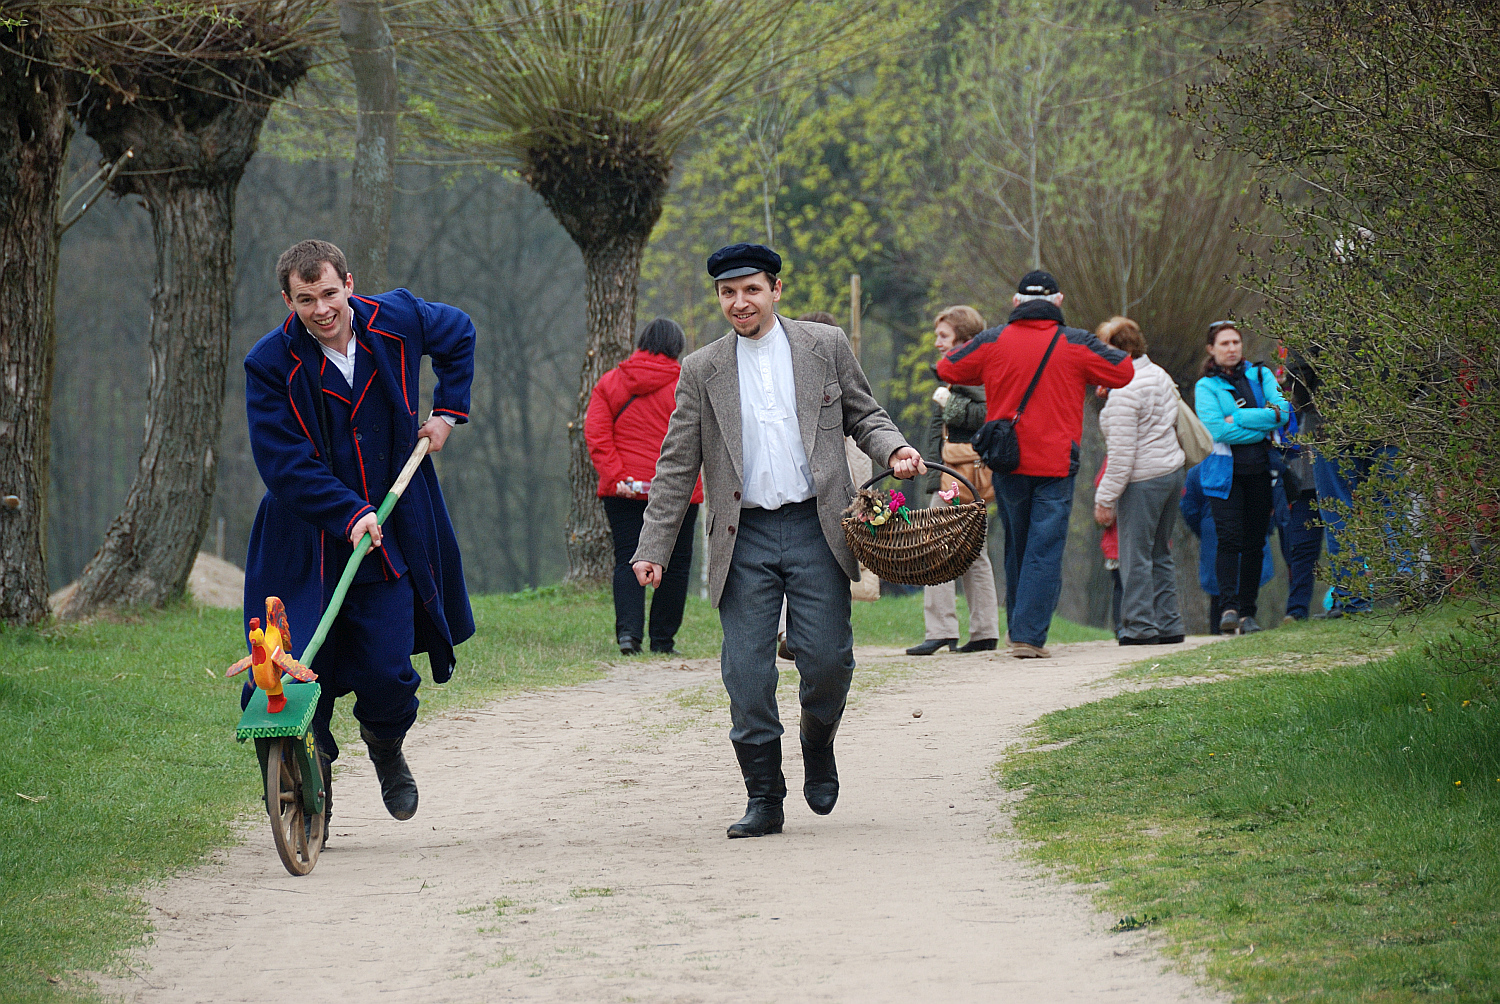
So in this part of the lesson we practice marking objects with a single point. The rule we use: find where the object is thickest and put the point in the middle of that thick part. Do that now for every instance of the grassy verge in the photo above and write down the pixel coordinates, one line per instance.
(1325, 834)
(118, 764)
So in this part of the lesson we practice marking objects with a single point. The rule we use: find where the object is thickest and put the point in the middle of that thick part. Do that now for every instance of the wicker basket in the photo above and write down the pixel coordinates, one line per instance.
(937, 546)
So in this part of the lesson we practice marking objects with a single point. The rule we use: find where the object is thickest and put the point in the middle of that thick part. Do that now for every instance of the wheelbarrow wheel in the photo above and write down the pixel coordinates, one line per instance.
(299, 835)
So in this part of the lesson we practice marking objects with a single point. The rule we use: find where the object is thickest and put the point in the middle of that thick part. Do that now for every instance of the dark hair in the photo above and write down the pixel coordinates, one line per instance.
(1209, 366)
(662, 336)
(1124, 334)
(819, 317)
(306, 258)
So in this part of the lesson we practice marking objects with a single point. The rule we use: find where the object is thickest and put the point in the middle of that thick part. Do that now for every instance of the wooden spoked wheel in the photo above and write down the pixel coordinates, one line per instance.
(299, 834)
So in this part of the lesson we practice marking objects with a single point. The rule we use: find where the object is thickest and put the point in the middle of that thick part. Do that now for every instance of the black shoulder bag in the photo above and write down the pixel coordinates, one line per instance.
(996, 442)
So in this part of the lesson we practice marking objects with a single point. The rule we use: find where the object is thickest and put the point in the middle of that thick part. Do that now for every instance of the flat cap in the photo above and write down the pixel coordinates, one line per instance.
(1037, 283)
(743, 259)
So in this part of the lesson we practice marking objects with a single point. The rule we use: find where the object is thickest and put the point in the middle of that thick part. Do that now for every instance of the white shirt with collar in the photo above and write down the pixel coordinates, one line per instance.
(345, 362)
(776, 470)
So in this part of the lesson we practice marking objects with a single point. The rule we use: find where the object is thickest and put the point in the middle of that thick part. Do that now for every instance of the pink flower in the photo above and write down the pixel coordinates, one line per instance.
(949, 495)
(897, 500)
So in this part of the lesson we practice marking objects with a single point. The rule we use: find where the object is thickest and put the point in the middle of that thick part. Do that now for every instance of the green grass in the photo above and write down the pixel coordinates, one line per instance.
(121, 731)
(1302, 647)
(1329, 834)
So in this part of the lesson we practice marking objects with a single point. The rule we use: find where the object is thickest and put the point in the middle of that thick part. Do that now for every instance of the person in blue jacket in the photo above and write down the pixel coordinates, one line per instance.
(331, 396)
(1200, 519)
(1242, 406)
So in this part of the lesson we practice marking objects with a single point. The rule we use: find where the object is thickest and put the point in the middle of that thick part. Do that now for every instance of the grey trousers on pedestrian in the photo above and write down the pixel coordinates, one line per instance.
(940, 602)
(1147, 514)
(782, 552)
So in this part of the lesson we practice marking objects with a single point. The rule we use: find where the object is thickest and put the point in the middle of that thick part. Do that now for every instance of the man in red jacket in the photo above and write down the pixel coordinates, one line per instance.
(1036, 498)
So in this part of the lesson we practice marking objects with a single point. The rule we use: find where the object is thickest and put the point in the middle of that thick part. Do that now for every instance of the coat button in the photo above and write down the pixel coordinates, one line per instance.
(731, 530)
(736, 496)
(826, 398)
(356, 437)
(382, 456)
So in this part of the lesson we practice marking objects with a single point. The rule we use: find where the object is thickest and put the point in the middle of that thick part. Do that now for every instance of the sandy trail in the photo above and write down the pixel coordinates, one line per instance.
(570, 847)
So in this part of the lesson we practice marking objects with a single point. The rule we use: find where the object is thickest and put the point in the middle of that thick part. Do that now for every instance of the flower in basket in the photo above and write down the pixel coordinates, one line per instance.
(898, 500)
(950, 495)
(869, 506)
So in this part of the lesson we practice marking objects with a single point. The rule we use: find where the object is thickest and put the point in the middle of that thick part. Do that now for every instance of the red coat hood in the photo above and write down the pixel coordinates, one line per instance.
(646, 372)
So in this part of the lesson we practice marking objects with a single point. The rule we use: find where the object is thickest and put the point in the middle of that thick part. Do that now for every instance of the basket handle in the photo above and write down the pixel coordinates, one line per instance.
(931, 465)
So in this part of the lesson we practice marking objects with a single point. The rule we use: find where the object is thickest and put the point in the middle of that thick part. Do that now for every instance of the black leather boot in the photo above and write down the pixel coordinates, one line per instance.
(327, 766)
(766, 786)
(398, 789)
(821, 784)
(931, 645)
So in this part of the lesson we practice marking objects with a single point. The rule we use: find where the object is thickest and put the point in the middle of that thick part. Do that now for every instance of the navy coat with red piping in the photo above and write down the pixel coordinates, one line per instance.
(307, 506)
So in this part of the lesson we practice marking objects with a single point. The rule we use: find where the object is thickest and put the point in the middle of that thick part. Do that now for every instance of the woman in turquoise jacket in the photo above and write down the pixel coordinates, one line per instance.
(1243, 408)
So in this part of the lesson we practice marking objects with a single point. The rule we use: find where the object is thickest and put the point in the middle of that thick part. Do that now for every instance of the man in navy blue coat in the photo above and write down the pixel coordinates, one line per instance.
(332, 397)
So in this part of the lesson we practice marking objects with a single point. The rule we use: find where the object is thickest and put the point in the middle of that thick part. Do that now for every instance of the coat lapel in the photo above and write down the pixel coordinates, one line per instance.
(724, 396)
(302, 386)
(808, 370)
(387, 371)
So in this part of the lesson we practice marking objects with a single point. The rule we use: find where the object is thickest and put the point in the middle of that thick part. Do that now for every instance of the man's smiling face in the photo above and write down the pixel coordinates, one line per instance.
(749, 302)
(323, 305)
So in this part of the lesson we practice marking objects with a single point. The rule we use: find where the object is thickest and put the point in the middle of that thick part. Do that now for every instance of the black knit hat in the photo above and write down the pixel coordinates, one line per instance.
(743, 259)
(1037, 283)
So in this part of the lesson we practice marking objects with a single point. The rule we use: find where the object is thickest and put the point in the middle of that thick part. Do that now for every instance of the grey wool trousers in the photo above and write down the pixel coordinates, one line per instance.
(1147, 513)
(782, 552)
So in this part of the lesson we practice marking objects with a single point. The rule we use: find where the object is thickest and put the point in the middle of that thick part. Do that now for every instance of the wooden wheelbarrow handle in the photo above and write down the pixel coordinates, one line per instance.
(336, 602)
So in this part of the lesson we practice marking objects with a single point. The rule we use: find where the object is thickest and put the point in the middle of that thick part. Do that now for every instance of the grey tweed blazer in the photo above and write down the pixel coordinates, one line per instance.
(833, 400)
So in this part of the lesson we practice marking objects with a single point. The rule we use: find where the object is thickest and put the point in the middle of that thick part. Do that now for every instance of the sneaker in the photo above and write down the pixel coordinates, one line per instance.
(1229, 622)
(629, 645)
(1248, 625)
(1021, 650)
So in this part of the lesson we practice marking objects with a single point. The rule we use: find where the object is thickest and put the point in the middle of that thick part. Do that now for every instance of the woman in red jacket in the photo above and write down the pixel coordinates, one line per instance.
(626, 423)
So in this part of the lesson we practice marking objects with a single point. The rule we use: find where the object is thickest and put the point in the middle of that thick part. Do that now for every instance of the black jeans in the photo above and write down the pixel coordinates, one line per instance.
(1242, 521)
(625, 519)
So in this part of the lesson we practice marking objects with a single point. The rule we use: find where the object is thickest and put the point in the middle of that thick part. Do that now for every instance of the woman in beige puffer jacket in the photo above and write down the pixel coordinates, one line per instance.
(1140, 490)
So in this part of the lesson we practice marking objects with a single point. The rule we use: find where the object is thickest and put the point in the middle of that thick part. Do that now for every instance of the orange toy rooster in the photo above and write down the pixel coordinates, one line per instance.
(268, 657)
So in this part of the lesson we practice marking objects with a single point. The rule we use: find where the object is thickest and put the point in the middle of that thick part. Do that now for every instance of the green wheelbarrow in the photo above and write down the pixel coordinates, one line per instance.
(280, 712)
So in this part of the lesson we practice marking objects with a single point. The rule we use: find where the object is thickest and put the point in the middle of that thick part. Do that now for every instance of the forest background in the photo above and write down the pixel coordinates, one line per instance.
(938, 150)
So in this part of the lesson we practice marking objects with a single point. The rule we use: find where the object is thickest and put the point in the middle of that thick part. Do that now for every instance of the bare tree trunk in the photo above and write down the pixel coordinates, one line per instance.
(372, 55)
(613, 274)
(34, 134)
(191, 142)
(149, 549)
(607, 197)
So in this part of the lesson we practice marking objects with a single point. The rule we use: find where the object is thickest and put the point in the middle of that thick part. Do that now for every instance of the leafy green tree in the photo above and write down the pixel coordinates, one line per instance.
(1068, 157)
(1379, 123)
(839, 164)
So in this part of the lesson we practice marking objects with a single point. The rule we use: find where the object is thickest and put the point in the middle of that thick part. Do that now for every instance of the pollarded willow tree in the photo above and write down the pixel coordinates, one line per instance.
(590, 101)
(34, 135)
(190, 108)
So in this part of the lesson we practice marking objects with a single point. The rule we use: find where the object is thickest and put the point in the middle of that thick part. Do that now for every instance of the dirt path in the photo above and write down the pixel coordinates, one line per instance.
(570, 847)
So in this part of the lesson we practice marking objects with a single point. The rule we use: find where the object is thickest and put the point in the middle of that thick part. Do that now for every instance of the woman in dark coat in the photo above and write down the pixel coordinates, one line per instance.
(626, 423)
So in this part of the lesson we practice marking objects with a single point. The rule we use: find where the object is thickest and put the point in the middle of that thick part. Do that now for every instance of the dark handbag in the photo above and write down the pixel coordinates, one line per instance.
(996, 441)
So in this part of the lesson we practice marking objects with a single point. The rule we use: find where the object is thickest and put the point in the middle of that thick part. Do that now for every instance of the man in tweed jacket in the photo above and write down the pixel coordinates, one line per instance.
(764, 412)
